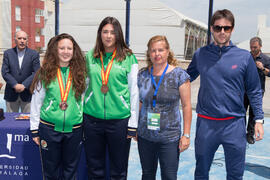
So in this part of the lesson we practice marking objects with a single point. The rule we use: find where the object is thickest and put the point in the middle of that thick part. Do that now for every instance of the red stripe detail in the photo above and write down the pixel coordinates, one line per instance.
(212, 118)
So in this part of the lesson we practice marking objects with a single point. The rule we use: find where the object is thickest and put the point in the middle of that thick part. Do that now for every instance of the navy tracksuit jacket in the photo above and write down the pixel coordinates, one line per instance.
(226, 73)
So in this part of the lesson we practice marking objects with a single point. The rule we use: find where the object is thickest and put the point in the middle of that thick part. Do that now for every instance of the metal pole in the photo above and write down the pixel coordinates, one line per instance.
(127, 20)
(56, 17)
(209, 19)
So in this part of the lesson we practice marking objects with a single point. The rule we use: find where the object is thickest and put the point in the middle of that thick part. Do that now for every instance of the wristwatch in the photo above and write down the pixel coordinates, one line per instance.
(187, 135)
(263, 69)
(259, 121)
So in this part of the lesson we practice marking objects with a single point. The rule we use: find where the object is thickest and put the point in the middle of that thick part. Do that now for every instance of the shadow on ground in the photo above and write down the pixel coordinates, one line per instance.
(259, 170)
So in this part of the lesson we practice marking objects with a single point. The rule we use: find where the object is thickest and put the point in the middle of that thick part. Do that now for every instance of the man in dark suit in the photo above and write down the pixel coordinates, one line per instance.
(19, 66)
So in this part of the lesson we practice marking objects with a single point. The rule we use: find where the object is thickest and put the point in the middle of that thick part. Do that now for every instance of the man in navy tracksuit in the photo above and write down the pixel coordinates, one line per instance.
(226, 74)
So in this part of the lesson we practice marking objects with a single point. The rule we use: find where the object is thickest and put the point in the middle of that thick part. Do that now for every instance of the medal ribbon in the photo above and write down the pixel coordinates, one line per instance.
(155, 85)
(105, 73)
(64, 93)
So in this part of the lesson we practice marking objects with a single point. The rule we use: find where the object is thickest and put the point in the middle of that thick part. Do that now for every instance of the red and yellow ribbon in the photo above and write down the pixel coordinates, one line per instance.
(105, 73)
(64, 93)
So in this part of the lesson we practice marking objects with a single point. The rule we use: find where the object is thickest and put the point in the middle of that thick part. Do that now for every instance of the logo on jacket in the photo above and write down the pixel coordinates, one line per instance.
(234, 66)
(44, 144)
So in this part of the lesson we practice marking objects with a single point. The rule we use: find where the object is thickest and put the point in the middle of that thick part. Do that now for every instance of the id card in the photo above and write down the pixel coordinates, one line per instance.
(153, 121)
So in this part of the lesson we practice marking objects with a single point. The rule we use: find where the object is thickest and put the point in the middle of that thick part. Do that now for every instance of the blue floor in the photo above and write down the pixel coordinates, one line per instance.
(257, 158)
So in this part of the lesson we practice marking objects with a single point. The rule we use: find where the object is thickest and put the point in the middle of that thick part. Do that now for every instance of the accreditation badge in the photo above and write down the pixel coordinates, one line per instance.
(153, 121)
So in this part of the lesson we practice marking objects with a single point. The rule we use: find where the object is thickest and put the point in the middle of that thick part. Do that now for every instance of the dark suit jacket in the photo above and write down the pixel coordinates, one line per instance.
(13, 74)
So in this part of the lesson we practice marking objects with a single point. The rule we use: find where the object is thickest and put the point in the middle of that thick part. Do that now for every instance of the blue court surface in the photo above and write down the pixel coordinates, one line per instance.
(257, 160)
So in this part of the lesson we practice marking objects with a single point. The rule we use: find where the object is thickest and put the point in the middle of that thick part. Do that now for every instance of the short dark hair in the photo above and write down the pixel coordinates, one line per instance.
(256, 39)
(219, 14)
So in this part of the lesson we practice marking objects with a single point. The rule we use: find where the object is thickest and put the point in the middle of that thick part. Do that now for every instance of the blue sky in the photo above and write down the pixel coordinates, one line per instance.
(245, 11)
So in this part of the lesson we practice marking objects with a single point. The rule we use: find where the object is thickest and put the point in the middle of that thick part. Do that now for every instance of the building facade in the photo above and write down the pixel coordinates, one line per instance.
(28, 15)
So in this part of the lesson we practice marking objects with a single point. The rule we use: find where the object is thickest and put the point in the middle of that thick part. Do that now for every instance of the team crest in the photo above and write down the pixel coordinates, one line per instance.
(43, 144)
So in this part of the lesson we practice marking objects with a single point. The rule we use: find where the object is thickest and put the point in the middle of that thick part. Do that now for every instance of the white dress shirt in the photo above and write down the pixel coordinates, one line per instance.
(20, 56)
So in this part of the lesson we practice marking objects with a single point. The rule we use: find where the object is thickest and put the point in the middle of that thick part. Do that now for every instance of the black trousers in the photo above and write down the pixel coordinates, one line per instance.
(60, 152)
(99, 134)
(251, 122)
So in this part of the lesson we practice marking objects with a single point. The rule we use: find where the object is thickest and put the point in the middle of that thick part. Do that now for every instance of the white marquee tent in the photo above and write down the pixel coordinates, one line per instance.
(147, 18)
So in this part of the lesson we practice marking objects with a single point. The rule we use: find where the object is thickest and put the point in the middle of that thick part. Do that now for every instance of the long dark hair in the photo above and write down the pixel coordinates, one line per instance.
(50, 64)
(122, 49)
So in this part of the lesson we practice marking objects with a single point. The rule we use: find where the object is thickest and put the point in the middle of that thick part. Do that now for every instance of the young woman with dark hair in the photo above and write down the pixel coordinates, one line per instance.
(111, 102)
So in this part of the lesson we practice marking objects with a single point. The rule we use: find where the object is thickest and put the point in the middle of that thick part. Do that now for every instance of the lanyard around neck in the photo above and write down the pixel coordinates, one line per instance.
(157, 85)
(64, 91)
(105, 73)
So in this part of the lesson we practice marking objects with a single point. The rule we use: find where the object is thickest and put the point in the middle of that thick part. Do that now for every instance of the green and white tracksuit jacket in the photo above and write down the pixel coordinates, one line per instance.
(45, 108)
(122, 99)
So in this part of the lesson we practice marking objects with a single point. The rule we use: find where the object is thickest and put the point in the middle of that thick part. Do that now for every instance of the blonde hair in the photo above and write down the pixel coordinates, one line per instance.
(171, 59)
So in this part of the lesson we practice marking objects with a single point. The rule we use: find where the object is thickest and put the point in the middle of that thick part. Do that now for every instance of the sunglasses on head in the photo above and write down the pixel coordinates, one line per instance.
(227, 29)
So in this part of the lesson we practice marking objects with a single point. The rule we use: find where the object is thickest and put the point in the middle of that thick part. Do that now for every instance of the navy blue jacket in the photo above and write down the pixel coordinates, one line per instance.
(13, 74)
(265, 60)
(225, 75)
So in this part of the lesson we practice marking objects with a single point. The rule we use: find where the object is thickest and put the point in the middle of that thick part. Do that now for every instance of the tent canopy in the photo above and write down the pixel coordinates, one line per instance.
(148, 18)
